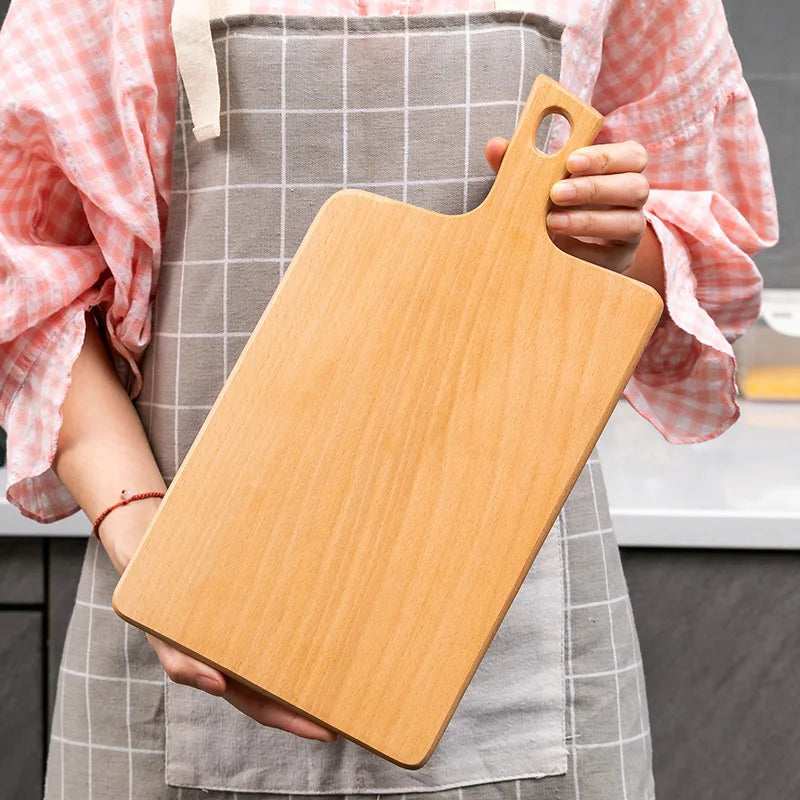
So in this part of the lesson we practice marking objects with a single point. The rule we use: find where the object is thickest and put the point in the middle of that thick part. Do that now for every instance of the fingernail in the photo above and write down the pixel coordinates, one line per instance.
(577, 163)
(563, 190)
(557, 220)
(208, 684)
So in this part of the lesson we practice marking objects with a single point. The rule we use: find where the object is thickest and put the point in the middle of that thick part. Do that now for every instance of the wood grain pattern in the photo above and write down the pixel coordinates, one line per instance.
(372, 484)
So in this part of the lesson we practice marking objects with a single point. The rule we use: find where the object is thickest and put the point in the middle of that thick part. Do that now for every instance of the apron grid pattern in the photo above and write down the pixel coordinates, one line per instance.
(108, 737)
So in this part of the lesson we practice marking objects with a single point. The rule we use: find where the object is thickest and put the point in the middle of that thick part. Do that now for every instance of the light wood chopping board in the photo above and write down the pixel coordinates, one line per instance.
(381, 467)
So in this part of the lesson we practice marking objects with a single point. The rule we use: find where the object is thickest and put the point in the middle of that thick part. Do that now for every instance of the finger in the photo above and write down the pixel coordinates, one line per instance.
(628, 189)
(271, 713)
(624, 226)
(494, 151)
(614, 257)
(607, 159)
(186, 670)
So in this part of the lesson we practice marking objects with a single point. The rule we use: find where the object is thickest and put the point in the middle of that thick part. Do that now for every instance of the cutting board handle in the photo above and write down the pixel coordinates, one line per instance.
(522, 187)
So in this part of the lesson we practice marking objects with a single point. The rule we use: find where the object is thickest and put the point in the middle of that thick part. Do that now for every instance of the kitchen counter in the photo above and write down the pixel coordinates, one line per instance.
(740, 490)
(12, 523)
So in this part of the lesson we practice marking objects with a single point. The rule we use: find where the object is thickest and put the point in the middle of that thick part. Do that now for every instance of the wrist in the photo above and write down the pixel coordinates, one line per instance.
(122, 530)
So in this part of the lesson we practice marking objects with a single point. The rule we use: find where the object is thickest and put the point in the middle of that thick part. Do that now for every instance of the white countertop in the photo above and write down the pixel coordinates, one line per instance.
(740, 490)
(12, 523)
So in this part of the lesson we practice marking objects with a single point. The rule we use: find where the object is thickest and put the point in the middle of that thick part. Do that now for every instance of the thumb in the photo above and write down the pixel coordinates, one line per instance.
(494, 151)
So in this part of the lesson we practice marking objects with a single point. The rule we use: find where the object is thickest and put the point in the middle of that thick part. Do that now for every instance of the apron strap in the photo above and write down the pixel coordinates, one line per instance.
(197, 64)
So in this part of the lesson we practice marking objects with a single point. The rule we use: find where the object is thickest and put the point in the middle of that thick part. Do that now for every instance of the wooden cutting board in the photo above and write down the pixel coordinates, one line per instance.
(371, 486)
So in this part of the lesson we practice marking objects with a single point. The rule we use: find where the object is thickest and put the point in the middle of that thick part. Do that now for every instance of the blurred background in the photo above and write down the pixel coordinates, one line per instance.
(710, 533)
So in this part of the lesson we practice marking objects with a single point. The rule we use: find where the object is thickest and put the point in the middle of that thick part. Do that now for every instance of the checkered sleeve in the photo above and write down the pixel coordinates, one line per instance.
(82, 210)
(671, 79)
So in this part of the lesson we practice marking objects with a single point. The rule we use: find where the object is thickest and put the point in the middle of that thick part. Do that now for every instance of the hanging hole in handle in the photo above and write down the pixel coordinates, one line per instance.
(555, 125)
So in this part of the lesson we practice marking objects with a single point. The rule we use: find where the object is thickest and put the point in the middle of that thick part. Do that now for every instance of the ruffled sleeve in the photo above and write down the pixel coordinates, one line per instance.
(87, 104)
(671, 79)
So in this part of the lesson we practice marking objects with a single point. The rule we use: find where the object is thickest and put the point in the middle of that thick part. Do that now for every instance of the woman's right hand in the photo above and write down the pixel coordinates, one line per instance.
(120, 539)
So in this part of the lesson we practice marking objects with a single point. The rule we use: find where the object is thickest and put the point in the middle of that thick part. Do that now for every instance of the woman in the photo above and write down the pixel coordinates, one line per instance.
(97, 146)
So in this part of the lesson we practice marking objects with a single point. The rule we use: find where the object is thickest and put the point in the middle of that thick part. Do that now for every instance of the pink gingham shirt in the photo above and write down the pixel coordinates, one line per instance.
(88, 95)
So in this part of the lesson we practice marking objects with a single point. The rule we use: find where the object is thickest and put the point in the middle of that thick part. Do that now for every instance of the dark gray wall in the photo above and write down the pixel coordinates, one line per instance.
(767, 36)
(720, 647)
(38, 581)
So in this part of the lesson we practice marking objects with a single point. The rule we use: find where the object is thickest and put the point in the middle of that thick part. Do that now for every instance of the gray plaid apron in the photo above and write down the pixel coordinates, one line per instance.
(557, 708)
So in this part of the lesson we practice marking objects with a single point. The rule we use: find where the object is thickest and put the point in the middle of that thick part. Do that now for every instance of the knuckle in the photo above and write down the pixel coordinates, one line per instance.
(645, 188)
(640, 155)
(592, 190)
(580, 223)
(641, 189)
(176, 670)
(636, 223)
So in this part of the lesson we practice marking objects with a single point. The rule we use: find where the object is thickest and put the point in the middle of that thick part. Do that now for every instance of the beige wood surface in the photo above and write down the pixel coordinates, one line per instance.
(395, 441)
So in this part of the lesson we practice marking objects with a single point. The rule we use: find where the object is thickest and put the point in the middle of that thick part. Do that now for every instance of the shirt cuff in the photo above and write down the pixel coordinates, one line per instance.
(684, 383)
(33, 421)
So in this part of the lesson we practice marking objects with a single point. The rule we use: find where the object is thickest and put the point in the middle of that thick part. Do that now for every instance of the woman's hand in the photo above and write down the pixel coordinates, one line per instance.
(120, 542)
(182, 668)
(598, 215)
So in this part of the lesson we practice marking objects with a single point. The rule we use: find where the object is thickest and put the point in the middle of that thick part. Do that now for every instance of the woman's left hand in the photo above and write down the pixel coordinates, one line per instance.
(598, 215)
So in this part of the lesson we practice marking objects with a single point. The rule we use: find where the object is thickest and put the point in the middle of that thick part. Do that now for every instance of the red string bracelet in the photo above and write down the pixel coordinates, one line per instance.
(127, 497)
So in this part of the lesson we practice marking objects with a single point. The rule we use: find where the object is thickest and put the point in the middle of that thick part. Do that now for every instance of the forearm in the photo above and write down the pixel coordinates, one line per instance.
(102, 448)
(648, 263)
